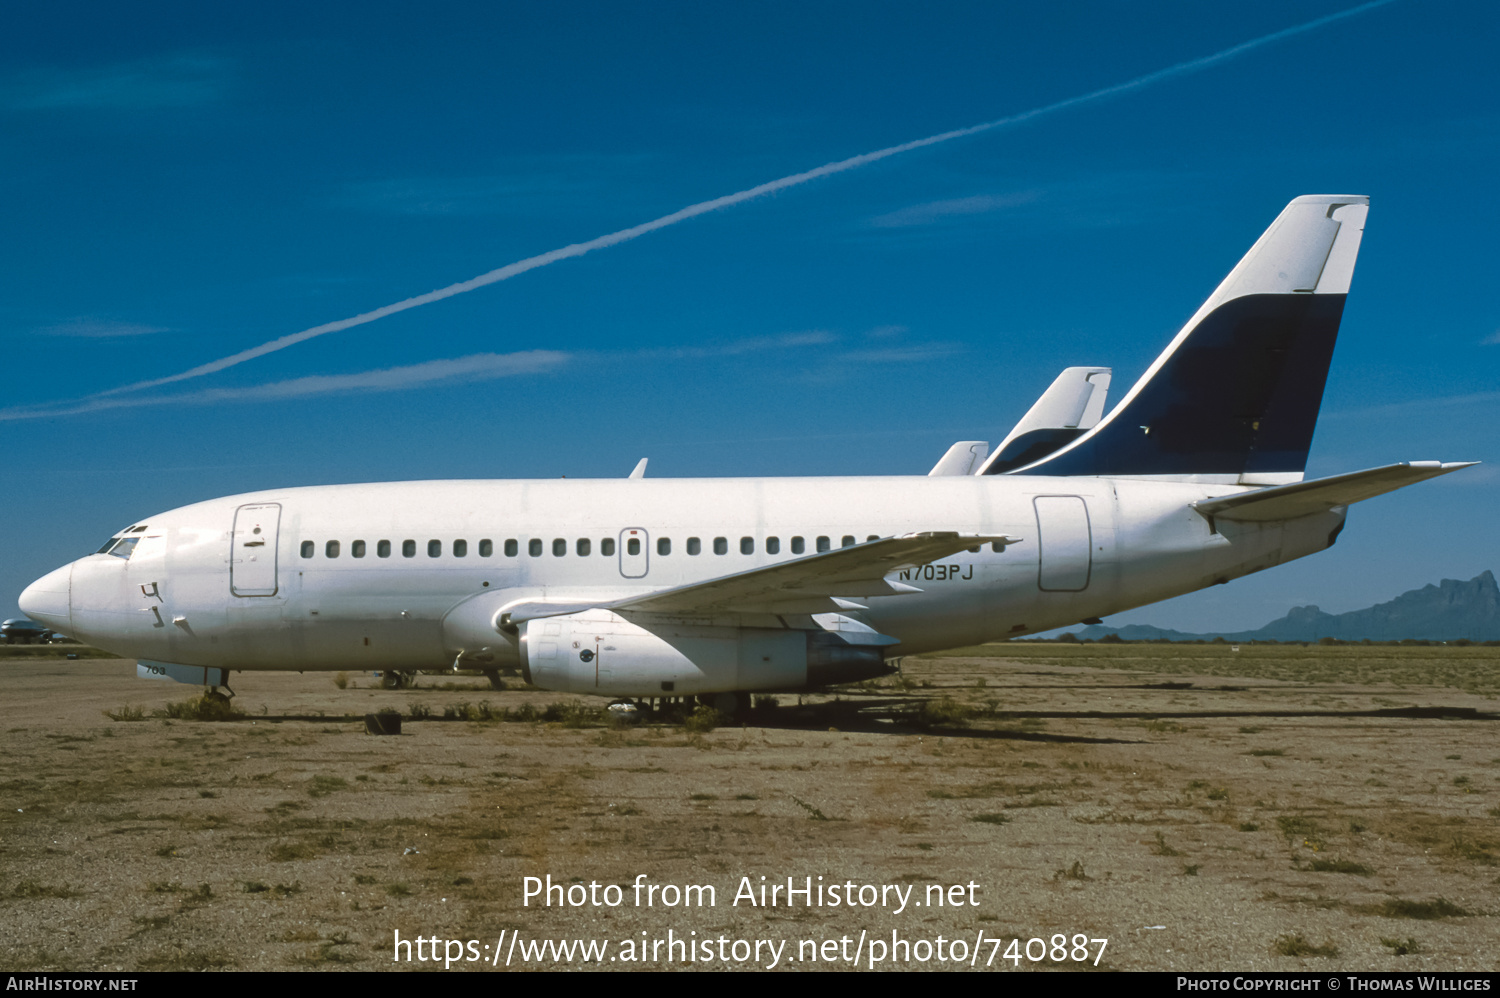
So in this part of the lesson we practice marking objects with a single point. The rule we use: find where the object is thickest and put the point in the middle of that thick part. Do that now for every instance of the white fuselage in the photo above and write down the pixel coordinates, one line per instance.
(411, 555)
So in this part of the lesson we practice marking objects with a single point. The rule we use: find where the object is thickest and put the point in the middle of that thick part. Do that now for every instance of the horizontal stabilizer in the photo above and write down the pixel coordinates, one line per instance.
(1287, 502)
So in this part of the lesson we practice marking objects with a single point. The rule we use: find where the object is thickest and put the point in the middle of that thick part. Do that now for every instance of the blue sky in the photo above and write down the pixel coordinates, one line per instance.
(181, 183)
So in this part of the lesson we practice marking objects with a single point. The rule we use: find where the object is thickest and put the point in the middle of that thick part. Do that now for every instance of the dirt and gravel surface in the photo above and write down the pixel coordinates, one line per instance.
(1199, 808)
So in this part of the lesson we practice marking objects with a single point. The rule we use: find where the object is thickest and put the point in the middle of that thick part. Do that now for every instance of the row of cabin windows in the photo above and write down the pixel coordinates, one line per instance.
(583, 547)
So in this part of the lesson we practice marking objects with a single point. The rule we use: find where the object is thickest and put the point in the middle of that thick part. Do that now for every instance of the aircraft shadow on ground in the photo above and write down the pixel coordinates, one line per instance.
(902, 717)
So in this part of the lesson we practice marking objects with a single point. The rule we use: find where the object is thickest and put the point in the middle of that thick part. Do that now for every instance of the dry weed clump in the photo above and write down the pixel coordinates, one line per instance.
(1296, 945)
(210, 706)
(944, 712)
(1340, 866)
(1402, 947)
(1423, 910)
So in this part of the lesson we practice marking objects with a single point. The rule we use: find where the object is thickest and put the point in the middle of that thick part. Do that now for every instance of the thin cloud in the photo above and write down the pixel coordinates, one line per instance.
(1491, 339)
(784, 341)
(100, 329)
(171, 81)
(1439, 402)
(704, 207)
(914, 354)
(938, 211)
(736, 348)
(476, 367)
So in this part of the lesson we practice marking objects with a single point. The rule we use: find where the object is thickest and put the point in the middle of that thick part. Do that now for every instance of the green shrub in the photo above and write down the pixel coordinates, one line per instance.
(702, 720)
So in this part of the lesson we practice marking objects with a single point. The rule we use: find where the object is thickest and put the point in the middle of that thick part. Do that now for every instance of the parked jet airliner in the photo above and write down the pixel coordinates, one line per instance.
(647, 587)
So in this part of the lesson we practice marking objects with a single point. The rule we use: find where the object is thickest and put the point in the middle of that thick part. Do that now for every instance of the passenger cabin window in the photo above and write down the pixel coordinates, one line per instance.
(559, 547)
(534, 548)
(331, 549)
(848, 541)
(434, 549)
(747, 545)
(798, 545)
(664, 545)
(721, 545)
(823, 544)
(357, 549)
(633, 546)
(512, 548)
(583, 547)
(460, 549)
(486, 548)
(873, 537)
(695, 546)
(383, 549)
(308, 547)
(408, 549)
(607, 547)
(773, 545)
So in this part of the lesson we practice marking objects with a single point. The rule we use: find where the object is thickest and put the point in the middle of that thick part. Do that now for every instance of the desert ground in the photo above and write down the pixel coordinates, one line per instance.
(1198, 807)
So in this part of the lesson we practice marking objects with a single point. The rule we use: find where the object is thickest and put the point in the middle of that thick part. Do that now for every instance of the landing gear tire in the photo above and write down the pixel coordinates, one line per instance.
(493, 675)
(396, 680)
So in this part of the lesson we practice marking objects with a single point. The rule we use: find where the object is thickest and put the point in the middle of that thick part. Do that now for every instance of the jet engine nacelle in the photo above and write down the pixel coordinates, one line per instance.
(601, 652)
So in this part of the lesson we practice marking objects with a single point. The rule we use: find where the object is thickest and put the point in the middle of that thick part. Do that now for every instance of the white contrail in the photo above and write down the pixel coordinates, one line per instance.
(702, 208)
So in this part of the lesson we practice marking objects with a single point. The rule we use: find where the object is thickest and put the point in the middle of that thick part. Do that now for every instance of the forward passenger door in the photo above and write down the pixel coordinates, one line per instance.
(252, 550)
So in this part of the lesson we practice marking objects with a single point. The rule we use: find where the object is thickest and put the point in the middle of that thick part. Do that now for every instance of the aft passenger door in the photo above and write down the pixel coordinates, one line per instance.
(634, 556)
(1066, 543)
(252, 550)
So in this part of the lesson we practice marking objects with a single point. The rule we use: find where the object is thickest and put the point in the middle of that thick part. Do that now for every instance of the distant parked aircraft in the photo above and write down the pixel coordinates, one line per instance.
(1072, 404)
(20, 631)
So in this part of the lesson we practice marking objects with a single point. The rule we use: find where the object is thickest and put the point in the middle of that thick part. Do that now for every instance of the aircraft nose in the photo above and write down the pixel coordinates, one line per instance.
(49, 599)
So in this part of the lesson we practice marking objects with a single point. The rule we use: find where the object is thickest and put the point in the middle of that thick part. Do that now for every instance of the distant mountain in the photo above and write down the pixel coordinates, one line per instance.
(1444, 612)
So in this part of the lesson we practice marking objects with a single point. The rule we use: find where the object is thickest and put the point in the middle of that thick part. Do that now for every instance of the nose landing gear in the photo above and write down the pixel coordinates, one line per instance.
(213, 693)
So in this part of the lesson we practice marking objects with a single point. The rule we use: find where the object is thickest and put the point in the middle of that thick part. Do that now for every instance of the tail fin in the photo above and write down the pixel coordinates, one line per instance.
(1235, 395)
(961, 459)
(1066, 410)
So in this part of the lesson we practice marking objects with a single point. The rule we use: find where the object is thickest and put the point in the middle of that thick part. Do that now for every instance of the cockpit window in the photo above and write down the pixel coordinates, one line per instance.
(123, 547)
(124, 532)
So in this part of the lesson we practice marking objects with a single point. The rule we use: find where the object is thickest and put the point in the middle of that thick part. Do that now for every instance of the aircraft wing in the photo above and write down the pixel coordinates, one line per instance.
(804, 585)
(1287, 502)
(856, 571)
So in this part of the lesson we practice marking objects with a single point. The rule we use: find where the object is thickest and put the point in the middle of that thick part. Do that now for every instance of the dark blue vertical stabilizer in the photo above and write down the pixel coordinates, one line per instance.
(1238, 390)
